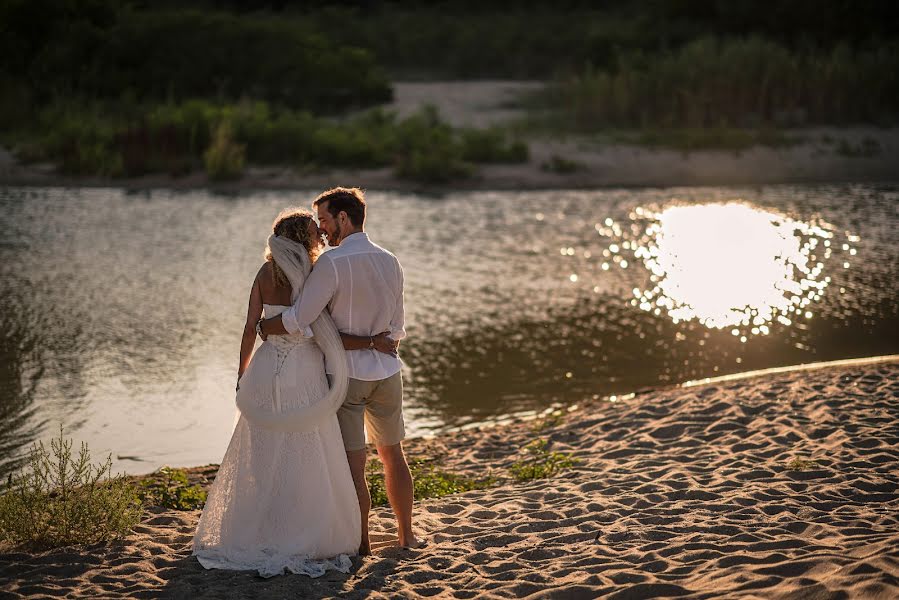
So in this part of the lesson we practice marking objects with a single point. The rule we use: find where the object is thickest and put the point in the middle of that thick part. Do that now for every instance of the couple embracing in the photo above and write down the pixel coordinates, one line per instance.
(291, 492)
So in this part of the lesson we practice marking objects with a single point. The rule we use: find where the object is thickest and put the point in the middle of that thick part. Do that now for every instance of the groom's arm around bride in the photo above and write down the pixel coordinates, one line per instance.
(362, 285)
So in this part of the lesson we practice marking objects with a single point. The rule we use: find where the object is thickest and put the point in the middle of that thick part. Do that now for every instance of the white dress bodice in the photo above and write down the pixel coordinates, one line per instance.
(283, 343)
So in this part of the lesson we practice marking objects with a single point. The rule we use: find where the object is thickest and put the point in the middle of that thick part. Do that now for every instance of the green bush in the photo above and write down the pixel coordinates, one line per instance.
(427, 149)
(59, 500)
(541, 463)
(170, 488)
(493, 145)
(561, 165)
(178, 138)
(224, 159)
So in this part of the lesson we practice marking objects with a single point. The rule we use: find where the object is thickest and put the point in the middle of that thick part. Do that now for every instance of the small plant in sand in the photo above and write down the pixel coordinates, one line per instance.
(429, 481)
(801, 464)
(58, 499)
(548, 422)
(170, 488)
(541, 463)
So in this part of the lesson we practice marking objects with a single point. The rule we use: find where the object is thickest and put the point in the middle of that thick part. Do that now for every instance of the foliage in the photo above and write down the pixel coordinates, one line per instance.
(60, 500)
(492, 145)
(561, 165)
(427, 150)
(866, 148)
(800, 464)
(176, 138)
(548, 422)
(106, 49)
(224, 159)
(733, 82)
(428, 481)
(462, 40)
(719, 138)
(170, 488)
(541, 463)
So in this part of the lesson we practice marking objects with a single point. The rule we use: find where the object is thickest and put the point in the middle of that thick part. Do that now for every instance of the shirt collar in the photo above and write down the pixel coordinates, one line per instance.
(359, 236)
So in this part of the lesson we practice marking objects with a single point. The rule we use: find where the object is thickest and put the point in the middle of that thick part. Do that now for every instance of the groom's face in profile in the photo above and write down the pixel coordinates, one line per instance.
(328, 224)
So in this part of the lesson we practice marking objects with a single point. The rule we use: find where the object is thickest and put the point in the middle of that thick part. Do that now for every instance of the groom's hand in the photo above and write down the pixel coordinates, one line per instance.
(384, 344)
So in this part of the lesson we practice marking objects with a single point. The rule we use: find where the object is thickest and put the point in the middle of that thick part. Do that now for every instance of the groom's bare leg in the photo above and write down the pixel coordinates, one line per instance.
(356, 458)
(398, 481)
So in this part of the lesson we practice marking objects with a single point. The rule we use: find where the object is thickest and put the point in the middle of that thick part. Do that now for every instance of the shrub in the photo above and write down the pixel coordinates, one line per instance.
(492, 145)
(800, 464)
(561, 165)
(427, 150)
(59, 500)
(170, 488)
(224, 159)
(541, 463)
(428, 481)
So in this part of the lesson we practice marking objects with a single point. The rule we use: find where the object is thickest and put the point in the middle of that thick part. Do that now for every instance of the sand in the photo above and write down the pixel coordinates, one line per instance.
(602, 162)
(681, 492)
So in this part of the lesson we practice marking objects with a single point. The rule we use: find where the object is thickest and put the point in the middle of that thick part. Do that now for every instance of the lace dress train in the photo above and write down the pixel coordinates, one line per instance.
(283, 501)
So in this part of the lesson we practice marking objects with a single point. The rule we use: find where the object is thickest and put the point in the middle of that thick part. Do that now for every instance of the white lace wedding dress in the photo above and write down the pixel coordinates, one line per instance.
(283, 500)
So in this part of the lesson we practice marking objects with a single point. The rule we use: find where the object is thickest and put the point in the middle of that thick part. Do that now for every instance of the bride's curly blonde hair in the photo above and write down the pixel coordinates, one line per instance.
(293, 224)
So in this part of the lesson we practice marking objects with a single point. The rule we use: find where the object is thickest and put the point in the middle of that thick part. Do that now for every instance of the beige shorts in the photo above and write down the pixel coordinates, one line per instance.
(378, 405)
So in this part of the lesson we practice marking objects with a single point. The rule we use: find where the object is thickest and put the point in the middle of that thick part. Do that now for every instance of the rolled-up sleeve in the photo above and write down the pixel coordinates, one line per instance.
(398, 320)
(317, 292)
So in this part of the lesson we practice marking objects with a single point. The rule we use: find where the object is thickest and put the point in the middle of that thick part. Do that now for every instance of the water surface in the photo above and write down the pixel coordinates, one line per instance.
(122, 312)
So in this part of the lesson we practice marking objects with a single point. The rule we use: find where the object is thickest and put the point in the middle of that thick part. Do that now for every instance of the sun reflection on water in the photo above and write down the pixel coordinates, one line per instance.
(727, 265)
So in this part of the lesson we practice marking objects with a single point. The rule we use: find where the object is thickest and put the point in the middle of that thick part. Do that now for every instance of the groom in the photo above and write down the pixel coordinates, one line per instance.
(362, 286)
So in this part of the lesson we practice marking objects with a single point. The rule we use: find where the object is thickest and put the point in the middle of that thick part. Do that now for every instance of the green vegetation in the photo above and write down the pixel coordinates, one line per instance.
(551, 420)
(714, 138)
(127, 87)
(541, 463)
(170, 488)
(725, 83)
(429, 481)
(864, 149)
(801, 464)
(561, 165)
(224, 159)
(60, 500)
(179, 138)
(113, 50)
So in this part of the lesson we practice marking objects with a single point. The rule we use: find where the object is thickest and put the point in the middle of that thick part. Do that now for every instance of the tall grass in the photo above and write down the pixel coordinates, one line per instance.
(747, 82)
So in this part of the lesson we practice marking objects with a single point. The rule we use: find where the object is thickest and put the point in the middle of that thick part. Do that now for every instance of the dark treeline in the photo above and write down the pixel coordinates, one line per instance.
(106, 49)
(84, 82)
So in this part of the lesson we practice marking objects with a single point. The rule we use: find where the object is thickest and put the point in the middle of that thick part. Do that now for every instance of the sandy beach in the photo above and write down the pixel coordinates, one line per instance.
(691, 491)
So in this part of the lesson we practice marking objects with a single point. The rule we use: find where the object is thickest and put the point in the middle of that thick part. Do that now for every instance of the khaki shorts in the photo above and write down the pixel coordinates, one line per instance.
(379, 406)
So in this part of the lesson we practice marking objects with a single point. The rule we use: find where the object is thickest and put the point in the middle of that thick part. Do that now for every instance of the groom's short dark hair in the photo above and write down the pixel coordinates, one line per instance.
(349, 200)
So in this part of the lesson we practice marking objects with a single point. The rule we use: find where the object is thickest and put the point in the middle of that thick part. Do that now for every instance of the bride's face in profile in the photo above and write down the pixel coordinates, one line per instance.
(315, 234)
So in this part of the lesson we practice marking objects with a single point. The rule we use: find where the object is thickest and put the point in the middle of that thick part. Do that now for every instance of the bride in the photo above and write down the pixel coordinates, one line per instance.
(283, 497)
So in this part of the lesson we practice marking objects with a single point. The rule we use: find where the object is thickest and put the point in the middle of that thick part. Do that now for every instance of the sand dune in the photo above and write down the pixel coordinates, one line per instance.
(685, 492)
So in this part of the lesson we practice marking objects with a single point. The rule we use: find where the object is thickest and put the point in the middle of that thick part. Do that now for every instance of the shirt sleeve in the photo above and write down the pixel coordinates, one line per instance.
(316, 294)
(398, 320)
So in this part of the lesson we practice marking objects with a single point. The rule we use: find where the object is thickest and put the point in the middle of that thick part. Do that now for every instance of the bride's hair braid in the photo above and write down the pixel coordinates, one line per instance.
(293, 224)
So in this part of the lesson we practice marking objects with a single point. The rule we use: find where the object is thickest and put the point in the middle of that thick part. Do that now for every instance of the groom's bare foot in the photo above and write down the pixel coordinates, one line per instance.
(412, 542)
(365, 548)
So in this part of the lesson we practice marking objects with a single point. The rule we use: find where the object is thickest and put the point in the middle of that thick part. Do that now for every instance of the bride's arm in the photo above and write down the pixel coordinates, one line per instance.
(248, 340)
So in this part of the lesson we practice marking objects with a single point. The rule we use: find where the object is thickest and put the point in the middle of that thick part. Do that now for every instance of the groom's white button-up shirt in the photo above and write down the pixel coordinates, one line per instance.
(362, 286)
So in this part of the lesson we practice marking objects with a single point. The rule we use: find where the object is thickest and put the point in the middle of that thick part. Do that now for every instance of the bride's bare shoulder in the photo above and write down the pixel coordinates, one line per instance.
(264, 278)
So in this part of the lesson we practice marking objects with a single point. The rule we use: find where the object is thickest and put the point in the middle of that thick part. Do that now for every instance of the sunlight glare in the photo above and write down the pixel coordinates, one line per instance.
(729, 266)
